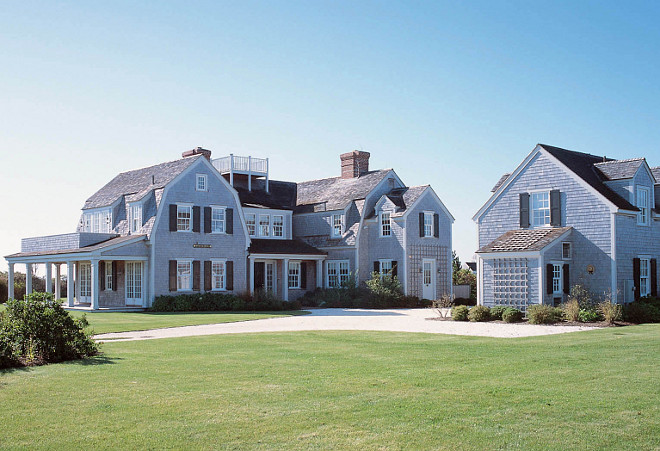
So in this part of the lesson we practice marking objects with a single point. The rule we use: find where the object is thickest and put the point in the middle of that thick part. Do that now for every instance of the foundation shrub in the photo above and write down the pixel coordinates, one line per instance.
(512, 315)
(589, 315)
(571, 310)
(641, 312)
(479, 313)
(610, 311)
(464, 301)
(497, 311)
(217, 302)
(544, 314)
(459, 313)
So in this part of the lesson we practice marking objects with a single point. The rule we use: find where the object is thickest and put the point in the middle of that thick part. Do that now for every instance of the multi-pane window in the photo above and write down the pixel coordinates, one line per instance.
(566, 251)
(338, 272)
(540, 209)
(294, 274)
(644, 285)
(643, 205)
(251, 221)
(108, 275)
(136, 217)
(184, 275)
(337, 225)
(98, 222)
(278, 225)
(264, 225)
(556, 279)
(201, 182)
(184, 218)
(385, 267)
(428, 224)
(385, 224)
(133, 280)
(218, 275)
(510, 284)
(217, 220)
(85, 279)
(427, 272)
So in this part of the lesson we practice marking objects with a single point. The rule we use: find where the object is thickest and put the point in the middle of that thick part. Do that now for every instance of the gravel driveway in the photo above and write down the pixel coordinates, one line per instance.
(397, 320)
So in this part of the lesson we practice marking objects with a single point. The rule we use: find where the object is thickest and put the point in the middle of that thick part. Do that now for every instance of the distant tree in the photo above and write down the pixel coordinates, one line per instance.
(467, 277)
(456, 262)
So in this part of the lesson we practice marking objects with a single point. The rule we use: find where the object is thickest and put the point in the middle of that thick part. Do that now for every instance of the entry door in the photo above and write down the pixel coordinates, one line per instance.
(85, 278)
(133, 283)
(428, 281)
(259, 275)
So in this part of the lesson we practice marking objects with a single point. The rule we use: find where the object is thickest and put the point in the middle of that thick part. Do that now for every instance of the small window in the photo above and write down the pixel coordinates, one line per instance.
(264, 225)
(566, 251)
(217, 220)
(278, 225)
(201, 182)
(644, 271)
(294, 275)
(108, 276)
(218, 275)
(184, 275)
(428, 224)
(385, 268)
(385, 224)
(250, 220)
(540, 209)
(643, 205)
(136, 218)
(184, 218)
(556, 279)
(337, 225)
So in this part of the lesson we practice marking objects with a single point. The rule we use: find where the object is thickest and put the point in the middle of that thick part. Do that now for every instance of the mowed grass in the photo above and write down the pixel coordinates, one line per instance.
(345, 390)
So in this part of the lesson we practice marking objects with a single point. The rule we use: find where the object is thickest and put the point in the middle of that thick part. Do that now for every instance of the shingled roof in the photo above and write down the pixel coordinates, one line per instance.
(524, 240)
(619, 169)
(656, 174)
(266, 246)
(500, 182)
(139, 182)
(281, 195)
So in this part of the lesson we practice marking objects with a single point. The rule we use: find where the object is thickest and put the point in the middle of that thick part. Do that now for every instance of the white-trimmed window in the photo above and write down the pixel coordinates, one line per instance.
(98, 221)
(566, 250)
(108, 276)
(644, 276)
(218, 219)
(201, 183)
(251, 221)
(337, 225)
(643, 198)
(184, 275)
(278, 225)
(556, 279)
(385, 224)
(135, 217)
(184, 218)
(385, 267)
(539, 212)
(85, 279)
(218, 280)
(294, 275)
(338, 272)
(428, 223)
(264, 225)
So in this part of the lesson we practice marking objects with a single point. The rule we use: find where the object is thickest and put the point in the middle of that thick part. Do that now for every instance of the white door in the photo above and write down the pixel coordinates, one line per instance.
(85, 278)
(270, 282)
(133, 272)
(428, 281)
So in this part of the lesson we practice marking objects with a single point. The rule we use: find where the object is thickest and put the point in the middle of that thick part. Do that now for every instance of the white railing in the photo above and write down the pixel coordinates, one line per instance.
(234, 163)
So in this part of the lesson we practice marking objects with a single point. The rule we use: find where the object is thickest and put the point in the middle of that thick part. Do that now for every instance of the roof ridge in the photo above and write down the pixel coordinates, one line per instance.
(192, 157)
(339, 177)
(576, 152)
(626, 160)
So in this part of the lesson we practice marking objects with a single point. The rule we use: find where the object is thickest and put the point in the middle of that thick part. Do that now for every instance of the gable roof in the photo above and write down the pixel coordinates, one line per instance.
(138, 182)
(619, 169)
(500, 182)
(280, 195)
(94, 247)
(524, 240)
(656, 174)
(402, 198)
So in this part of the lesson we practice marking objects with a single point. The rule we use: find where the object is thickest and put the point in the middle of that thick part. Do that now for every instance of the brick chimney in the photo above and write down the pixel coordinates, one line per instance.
(197, 151)
(354, 164)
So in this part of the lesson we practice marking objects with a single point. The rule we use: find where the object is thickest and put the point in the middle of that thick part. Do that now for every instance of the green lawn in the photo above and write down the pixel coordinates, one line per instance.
(352, 390)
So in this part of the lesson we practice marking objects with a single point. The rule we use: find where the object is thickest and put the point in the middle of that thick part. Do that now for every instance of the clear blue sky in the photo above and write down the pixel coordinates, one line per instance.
(451, 94)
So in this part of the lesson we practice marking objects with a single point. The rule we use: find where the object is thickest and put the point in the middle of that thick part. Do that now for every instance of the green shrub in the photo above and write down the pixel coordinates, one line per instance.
(217, 302)
(611, 311)
(480, 313)
(384, 290)
(571, 310)
(543, 314)
(37, 331)
(641, 312)
(497, 311)
(512, 315)
(459, 313)
(589, 316)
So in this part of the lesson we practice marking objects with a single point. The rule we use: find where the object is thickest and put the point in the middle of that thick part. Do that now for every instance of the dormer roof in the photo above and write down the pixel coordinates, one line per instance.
(619, 169)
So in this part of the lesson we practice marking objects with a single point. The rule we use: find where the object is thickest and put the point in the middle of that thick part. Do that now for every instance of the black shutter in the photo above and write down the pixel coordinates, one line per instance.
(207, 219)
(303, 275)
(196, 218)
(436, 225)
(229, 221)
(555, 208)
(114, 275)
(172, 217)
(101, 275)
(421, 224)
(376, 266)
(524, 210)
(207, 276)
(173, 275)
(566, 277)
(196, 274)
(636, 275)
(549, 269)
(654, 277)
(229, 284)
(395, 269)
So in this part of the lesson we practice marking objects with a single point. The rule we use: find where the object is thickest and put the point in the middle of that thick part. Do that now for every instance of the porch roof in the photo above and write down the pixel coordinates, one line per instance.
(524, 240)
(112, 242)
(281, 247)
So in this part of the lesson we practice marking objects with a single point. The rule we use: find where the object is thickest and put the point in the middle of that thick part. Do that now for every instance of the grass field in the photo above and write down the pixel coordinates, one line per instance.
(357, 390)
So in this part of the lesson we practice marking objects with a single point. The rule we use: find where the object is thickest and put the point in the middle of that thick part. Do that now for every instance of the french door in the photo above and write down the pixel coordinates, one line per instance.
(133, 272)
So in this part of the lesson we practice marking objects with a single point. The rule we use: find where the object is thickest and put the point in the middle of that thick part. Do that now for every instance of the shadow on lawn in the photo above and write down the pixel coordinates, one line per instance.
(91, 361)
(353, 312)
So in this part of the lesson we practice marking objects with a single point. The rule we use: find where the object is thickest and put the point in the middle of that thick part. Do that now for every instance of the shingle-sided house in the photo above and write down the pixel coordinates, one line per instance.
(564, 218)
(197, 224)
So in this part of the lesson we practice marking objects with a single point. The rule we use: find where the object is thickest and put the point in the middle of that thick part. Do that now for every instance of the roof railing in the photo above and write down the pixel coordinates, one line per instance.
(250, 166)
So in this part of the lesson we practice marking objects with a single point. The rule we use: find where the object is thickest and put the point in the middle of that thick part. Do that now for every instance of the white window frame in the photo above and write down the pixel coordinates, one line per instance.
(179, 207)
(429, 225)
(278, 229)
(264, 229)
(204, 185)
(133, 226)
(532, 222)
(385, 227)
(557, 279)
(85, 273)
(108, 275)
(179, 275)
(217, 222)
(337, 224)
(570, 250)
(251, 224)
(294, 275)
(342, 268)
(134, 281)
(644, 276)
(220, 275)
(385, 267)
(644, 208)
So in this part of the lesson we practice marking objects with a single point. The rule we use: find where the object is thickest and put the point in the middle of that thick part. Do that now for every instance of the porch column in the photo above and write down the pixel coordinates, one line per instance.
(58, 282)
(70, 278)
(49, 277)
(95, 285)
(28, 278)
(319, 273)
(251, 269)
(285, 279)
(10, 281)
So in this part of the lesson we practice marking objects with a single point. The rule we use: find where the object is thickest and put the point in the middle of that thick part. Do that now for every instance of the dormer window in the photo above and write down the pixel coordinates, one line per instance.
(337, 225)
(643, 196)
(135, 213)
(201, 182)
(540, 209)
(385, 224)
